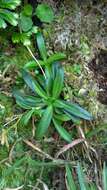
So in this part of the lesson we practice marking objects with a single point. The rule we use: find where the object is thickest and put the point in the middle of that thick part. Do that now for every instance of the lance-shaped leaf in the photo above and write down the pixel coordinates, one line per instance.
(56, 57)
(104, 176)
(41, 45)
(81, 178)
(33, 85)
(58, 82)
(55, 68)
(63, 133)
(70, 181)
(75, 119)
(73, 109)
(9, 4)
(2, 23)
(9, 16)
(48, 81)
(62, 117)
(26, 102)
(33, 64)
(44, 122)
(26, 117)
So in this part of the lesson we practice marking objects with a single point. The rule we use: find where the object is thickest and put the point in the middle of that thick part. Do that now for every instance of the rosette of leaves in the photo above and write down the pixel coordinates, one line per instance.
(6, 12)
(46, 102)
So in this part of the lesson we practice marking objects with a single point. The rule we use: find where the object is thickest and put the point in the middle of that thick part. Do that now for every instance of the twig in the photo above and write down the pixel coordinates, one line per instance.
(38, 149)
(57, 161)
(11, 121)
(68, 146)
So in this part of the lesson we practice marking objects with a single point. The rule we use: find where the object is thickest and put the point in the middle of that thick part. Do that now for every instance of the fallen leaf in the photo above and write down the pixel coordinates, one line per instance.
(68, 146)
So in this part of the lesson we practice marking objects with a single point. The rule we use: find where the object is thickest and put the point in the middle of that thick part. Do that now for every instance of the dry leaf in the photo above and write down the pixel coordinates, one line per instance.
(68, 146)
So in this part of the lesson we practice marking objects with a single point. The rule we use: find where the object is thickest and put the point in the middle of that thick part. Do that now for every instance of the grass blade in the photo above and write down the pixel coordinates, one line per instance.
(81, 178)
(104, 177)
(70, 181)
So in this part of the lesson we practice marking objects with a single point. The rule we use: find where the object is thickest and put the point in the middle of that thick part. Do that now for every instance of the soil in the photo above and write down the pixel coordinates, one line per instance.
(58, 179)
(98, 66)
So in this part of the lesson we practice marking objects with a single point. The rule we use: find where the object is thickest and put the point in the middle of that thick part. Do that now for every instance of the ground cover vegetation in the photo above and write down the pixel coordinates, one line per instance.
(52, 124)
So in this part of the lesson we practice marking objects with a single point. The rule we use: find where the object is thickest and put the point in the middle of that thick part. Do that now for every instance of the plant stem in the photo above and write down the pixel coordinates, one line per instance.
(36, 61)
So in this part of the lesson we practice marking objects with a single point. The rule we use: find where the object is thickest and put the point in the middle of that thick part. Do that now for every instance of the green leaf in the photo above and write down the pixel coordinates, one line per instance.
(2, 111)
(26, 102)
(34, 85)
(39, 112)
(73, 109)
(25, 23)
(58, 83)
(56, 57)
(92, 187)
(81, 178)
(6, 15)
(41, 45)
(63, 133)
(104, 177)
(21, 38)
(62, 117)
(48, 81)
(75, 119)
(70, 181)
(25, 39)
(26, 117)
(33, 64)
(44, 122)
(28, 80)
(16, 37)
(2, 23)
(9, 16)
(9, 4)
(28, 10)
(55, 68)
(45, 13)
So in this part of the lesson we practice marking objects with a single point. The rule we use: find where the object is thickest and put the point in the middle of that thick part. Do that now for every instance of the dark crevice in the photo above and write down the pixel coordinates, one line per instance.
(99, 67)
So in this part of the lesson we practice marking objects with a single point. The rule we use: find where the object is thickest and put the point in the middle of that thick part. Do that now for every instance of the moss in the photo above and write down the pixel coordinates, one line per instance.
(7, 104)
(18, 57)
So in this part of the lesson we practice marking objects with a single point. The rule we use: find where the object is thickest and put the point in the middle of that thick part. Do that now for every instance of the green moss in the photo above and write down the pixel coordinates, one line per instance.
(6, 103)
(18, 57)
